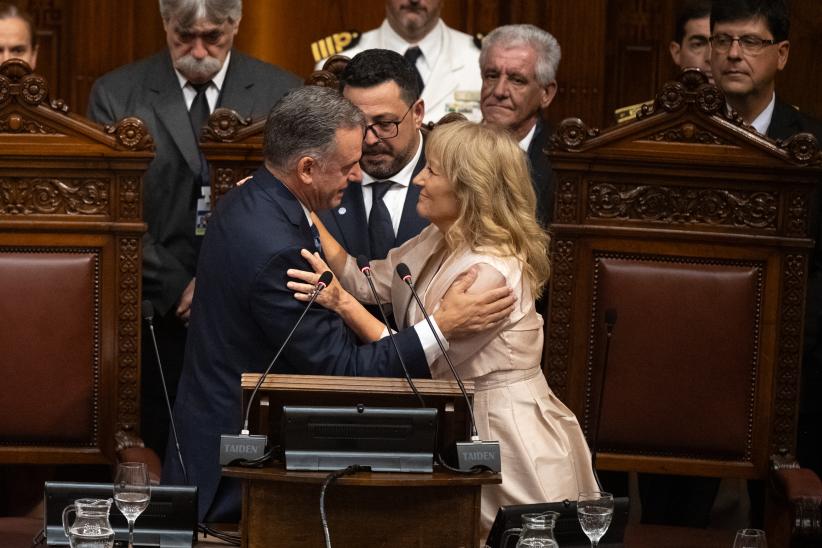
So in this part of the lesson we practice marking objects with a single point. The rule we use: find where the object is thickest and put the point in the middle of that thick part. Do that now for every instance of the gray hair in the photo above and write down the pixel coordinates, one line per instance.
(188, 12)
(305, 123)
(546, 47)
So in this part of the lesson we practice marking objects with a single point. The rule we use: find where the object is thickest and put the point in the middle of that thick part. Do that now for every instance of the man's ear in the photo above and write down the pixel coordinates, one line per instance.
(783, 49)
(418, 111)
(675, 50)
(306, 167)
(548, 94)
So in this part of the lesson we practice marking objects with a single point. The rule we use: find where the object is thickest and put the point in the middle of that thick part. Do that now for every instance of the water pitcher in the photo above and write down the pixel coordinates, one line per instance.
(537, 531)
(91, 528)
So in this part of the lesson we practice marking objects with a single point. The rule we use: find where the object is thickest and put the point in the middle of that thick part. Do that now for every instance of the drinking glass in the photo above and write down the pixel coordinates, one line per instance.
(131, 492)
(750, 538)
(594, 510)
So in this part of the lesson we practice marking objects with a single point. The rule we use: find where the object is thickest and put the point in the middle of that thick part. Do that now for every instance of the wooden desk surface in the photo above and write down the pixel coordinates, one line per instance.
(439, 478)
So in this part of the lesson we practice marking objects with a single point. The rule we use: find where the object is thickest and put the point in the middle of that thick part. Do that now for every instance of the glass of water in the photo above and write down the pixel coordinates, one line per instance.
(132, 492)
(594, 510)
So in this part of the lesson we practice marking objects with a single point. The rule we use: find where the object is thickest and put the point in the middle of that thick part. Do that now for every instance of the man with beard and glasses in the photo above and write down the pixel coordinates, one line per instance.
(444, 59)
(174, 92)
(381, 212)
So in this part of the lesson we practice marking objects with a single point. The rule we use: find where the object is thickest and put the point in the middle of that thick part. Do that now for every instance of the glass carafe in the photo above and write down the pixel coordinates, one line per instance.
(537, 531)
(91, 528)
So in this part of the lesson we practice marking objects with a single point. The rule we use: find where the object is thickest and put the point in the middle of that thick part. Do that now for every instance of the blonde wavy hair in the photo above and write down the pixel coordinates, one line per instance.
(497, 202)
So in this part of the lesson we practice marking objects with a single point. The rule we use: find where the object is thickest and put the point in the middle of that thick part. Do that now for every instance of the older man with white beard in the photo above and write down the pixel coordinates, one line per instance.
(174, 92)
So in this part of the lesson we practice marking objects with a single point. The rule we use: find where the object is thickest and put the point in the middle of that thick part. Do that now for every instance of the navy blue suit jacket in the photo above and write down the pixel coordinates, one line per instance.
(241, 314)
(542, 176)
(348, 222)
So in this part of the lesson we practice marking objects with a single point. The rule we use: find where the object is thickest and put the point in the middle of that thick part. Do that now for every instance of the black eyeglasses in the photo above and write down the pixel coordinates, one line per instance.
(747, 43)
(385, 129)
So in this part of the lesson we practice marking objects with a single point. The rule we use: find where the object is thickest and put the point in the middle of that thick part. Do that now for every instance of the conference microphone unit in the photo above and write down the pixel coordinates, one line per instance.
(471, 454)
(148, 316)
(246, 446)
(610, 321)
(365, 268)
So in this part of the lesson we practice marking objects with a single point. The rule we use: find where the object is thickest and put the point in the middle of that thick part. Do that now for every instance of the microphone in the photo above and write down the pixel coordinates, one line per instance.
(365, 268)
(610, 321)
(244, 445)
(471, 454)
(148, 315)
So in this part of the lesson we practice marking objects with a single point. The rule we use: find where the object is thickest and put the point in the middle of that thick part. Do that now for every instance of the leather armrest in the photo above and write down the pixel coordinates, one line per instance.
(799, 483)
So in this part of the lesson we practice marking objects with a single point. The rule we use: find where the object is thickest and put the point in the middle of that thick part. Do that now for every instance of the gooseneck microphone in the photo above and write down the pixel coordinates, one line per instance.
(365, 268)
(148, 316)
(476, 453)
(610, 321)
(250, 447)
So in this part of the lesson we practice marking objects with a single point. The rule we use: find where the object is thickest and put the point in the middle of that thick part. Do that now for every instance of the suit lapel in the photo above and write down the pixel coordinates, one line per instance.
(411, 223)
(784, 121)
(236, 92)
(350, 218)
(172, 112)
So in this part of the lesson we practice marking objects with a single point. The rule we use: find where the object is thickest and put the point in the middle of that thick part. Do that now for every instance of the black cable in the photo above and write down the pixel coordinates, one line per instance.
(329, 479)
(227, 537)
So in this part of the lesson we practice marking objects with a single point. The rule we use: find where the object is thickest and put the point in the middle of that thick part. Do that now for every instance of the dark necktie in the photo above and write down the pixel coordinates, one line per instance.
(199, 110)
(316, 234)
(411, 55)
(380, 228)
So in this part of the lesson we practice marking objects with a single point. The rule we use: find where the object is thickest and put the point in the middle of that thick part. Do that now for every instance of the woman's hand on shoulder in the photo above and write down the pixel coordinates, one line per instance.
(333, 297)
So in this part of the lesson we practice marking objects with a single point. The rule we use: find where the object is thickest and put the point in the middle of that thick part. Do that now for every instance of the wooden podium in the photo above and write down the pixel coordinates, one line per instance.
(281, 508)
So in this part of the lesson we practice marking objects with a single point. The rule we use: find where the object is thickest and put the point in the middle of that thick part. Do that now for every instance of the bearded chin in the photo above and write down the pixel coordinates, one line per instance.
(198, 69)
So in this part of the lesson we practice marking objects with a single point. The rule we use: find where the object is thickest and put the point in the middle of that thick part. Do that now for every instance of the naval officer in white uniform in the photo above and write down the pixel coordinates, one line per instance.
(447, 60)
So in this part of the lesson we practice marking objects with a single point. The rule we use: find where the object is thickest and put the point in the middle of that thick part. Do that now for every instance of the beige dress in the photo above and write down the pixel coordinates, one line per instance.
(544, 454)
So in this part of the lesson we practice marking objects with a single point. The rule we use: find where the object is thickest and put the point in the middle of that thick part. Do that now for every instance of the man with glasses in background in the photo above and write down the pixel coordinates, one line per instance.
(381, 212)
(749, 46)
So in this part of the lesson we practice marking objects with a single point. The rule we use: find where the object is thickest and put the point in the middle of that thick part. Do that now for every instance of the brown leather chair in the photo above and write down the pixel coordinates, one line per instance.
(70, 251)
(698, 232)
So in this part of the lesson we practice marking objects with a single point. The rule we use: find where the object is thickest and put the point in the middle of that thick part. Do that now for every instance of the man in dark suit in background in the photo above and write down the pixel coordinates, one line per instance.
(749, 47)
(381, 212)
(518, 64)
(243, 308)
(173, 92)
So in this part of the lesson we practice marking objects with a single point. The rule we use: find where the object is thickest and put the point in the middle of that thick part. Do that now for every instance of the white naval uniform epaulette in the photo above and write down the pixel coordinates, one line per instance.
(454, 82)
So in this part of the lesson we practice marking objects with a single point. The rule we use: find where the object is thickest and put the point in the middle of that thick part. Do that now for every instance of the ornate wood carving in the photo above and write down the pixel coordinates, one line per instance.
(44, 196)
(679, 205)
(224, 125)
(566, 200)
(571, 134)
(783, 427)
(131, 133)
(128, 317)
(130, 207)
(558, 346)
(687, 133)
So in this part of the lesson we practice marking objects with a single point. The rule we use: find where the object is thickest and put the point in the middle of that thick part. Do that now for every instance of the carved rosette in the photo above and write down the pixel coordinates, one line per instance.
(223, 125)
(33, 89)
(671, 97)
(783, 433)
(562, 298)
(131, 133)
(566, 200)
(128, 282)
(225, 179)
(21, 196)
(802, 148)
(709, 99)
(683, 205)
(129, 197)
(571, 134)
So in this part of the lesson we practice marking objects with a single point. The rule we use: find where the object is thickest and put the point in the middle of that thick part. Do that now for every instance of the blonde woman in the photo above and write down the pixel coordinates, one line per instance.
(477, 194)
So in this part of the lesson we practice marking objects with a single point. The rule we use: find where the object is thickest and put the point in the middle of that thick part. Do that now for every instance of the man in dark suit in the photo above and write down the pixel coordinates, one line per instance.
(518, 64)
(381, 212)
(173, 92)
(243, 309)
(749, 47)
